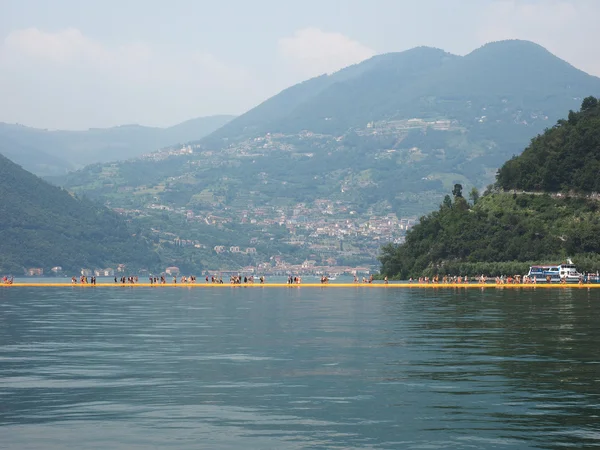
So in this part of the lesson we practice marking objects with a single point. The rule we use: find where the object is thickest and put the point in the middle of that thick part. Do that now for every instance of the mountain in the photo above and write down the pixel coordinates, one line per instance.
(419, 120)
(350, 97)
(32, 158)
(49, 153)
(193, 129)
(44, 226)
(510, 76)
(380, 142)
(505, 231)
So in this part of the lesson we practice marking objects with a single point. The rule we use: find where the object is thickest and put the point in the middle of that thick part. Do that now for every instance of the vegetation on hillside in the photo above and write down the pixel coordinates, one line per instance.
(503, 232)
(390, 135)
(503, 82)
(44, 226)
(487, 119)
(565, 158)
(483, 126)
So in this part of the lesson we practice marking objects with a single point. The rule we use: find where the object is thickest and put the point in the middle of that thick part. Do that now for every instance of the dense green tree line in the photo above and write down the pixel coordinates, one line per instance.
(564, 158)
(504, 232)
(501, 234)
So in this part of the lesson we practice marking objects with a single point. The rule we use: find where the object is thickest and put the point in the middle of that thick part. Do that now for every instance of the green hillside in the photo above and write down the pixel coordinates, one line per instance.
(504, 231)
(565, 158)
(389, 136)
(512, 80)
(371, 90)
(44, 226)
(419, 121)
(493, 100)
(264, 116)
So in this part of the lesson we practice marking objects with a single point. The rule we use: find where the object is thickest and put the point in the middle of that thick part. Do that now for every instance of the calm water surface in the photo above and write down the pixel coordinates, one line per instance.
(299, 368)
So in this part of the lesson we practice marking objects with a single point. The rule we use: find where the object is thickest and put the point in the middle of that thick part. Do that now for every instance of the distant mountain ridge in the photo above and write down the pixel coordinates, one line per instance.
(296, 101)
(31, 157)
(54, 152)
(421, 82)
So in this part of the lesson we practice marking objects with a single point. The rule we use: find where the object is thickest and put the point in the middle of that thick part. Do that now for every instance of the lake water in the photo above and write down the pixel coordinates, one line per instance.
(299, 368)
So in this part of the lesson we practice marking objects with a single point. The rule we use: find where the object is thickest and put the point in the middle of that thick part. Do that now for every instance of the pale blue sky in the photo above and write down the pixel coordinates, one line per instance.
(76, 64)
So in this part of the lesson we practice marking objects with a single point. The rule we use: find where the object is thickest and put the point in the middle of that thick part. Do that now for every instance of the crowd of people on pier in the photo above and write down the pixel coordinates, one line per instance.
(83, 280)
(294, 280)
(234, 279)
(503, 279)
(369, 280)
(448, 279)
(238, 279)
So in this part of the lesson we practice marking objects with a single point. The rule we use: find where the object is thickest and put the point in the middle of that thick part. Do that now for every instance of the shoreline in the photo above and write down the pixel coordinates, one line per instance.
(310, 285)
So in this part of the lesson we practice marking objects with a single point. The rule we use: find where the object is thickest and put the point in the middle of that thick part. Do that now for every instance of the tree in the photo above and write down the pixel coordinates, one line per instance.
(460, 204)
(572, 118)
(447, 201)
(589, 103)
(562, 159)
(457, 191)
(474, 195)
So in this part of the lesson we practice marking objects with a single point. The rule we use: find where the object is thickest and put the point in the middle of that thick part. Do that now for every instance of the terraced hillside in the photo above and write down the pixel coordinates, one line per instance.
(380, 142)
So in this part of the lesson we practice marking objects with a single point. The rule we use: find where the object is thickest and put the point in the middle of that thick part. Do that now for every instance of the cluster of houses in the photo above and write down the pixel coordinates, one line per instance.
(234, 249)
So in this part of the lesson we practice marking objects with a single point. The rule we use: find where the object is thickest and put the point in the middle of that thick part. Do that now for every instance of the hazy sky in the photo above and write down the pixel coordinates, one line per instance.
(74, 64)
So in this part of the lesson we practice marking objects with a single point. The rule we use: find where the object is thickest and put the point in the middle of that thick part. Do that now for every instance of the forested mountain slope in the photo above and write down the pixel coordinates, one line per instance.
(565, 158)
(510, 79)
(44, 226)
(351, 97)
(506, 230)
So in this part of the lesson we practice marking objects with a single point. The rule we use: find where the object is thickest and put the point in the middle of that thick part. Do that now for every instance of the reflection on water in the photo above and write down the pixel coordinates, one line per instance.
(299, 368)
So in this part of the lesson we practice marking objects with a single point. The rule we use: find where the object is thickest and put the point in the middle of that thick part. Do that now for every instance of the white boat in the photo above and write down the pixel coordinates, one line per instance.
(556, 273)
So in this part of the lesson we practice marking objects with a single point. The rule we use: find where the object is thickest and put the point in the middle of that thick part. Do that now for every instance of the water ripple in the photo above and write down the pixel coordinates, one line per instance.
(298, 369)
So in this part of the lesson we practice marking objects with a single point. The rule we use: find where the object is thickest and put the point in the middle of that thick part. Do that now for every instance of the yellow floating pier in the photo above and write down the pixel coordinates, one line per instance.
(378, 285)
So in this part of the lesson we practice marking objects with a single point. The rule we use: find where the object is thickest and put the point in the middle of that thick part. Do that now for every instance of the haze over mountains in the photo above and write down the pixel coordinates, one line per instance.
(509, 76)
(386, 137)
(47, 153)
(414, 121)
